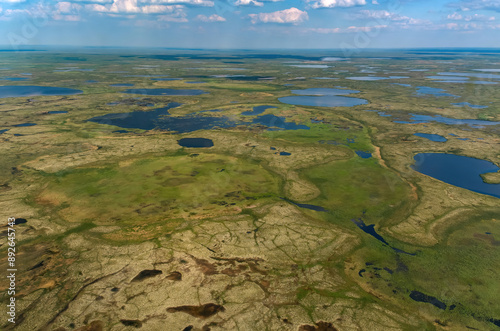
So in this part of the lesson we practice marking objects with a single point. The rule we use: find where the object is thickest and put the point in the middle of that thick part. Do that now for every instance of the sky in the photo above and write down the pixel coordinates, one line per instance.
(252, 24)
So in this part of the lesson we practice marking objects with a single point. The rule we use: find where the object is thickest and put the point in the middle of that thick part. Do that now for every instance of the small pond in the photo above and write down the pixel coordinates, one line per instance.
(195, 142)
(431, 137)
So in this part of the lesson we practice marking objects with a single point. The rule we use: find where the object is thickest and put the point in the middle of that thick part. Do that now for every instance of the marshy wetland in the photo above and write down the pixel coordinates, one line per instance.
(310, 193)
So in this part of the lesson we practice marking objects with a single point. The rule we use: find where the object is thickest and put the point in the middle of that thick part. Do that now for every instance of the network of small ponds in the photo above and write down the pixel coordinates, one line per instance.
(456, 170)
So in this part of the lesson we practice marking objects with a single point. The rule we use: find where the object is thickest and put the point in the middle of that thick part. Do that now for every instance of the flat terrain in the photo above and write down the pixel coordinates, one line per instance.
(298, 218)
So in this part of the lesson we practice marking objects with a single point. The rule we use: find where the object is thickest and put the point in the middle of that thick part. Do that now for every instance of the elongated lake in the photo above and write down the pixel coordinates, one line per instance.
(323, 97)
(26, 91)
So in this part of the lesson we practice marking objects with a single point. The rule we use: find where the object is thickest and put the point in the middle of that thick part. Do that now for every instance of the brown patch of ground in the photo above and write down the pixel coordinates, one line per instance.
(202, 311)
(487, 237)
(320, 326)
(146, 274)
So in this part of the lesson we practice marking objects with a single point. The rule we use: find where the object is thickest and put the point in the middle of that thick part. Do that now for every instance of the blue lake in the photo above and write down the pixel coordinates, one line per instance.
(446, 120)
(432, 137)
(26, 91)
(121, 85)
(164, 91)
(285, 153)
(364, 155)
(160, 119)
(487, 70)
(278, 122)
(25, 124)
(195, 142)
(457, 170)
(323, 97)
(370, 229)
(325, 78)
(425, 90)
(306, 205)
(312, 66)
(466, 104)
(57, 112)
(3, 131)
(257, 110)
(375, 78)
(470, 74)
(14, 79)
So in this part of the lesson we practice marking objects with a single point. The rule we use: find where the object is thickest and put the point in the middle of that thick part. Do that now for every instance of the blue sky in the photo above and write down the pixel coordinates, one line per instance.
(252, 23)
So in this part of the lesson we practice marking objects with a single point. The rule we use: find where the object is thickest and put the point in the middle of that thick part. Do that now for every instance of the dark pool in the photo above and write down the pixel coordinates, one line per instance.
(370, 229)
(195, 142)
(306, 205)
(166, 79)
(458, 170)
(164, 91)
(121, 85)
(323, 97)
(432, 137)
(421, 297)
(57, 112)
(25, 91)
(145, 120)
(25, 124)
(256, 110)
(364, 155)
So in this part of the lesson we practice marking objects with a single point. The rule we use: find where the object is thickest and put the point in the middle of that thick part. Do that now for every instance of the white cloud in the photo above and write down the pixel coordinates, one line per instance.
(374, 2)
(94, 1)
(207, 3)
(127, 7)
(211, 18)
(178, 18)
(336, 3)
(253, 2)
(67, 7)
(10, 12)
(291, 15)
(248, 2)
(11, 1)
(66, 11)
(467, 5)
(455, 16)
(96, 7)
(382, 15)
(69, 18)
(350, 29)
(468, 18)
